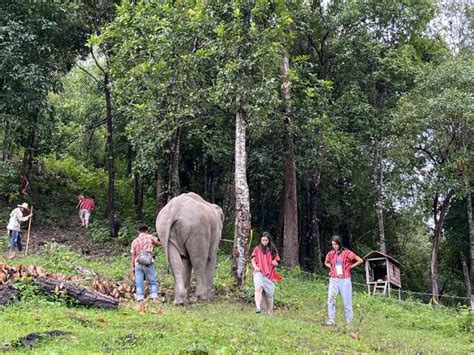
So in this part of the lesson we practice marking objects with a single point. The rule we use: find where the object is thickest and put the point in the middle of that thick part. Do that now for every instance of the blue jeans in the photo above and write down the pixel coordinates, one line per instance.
(143, 272)
(15, 240)
(344, 287)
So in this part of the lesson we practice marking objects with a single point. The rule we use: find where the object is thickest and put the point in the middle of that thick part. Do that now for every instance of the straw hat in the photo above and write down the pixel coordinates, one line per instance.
(24, 205)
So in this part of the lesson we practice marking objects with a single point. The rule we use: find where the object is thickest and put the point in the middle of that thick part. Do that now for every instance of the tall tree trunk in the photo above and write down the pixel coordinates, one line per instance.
(470, 222)
(242, 201)
(378, 184)
(29, 153)
(467, 281)
(290, 203)
(129, 159)
(439, 212)
(138, 196)
(228, 203)
(110, 157)
(160, 196)
(6, 142)
(173, 180)
(315, 234)
(90, 139)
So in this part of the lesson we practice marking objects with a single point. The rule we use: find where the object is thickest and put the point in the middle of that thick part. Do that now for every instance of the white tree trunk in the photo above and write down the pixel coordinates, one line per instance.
(242, 201)
(470, 222)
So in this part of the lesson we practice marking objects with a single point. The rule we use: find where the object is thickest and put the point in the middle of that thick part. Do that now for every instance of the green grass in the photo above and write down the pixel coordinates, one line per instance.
(229, 324)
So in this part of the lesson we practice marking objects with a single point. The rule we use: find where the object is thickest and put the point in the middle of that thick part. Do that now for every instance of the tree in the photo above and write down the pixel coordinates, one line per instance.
(436, 123)
(246, 69)
(39, 42)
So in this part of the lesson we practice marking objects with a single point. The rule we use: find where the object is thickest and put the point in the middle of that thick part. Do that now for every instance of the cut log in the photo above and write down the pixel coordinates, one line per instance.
(83, 295)
(7, 294)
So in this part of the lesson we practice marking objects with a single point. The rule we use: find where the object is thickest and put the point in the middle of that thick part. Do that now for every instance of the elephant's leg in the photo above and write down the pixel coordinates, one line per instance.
(177, 267)
(210, 268)
(187, 275)
(199, 262)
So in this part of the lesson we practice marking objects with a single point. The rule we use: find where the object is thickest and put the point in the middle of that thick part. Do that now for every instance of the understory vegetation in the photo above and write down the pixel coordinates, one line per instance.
(228, 324)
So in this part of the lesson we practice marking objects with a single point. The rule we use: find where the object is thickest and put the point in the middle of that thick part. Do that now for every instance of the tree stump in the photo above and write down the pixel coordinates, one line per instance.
(83, 295)
(7, 294)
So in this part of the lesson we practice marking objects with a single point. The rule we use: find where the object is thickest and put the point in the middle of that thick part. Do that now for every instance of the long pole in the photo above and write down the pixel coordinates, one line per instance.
(28, 237)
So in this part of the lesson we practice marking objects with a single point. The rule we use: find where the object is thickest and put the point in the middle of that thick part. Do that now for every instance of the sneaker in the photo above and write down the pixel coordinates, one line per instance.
(258, 311)
(329, 323)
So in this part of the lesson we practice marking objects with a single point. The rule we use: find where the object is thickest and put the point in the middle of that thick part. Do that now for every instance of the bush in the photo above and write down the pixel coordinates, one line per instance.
(9, 179)
(63, 179)
(98, 231)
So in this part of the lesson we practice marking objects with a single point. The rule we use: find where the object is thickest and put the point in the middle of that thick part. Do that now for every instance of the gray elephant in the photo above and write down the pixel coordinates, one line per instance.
(190, 229)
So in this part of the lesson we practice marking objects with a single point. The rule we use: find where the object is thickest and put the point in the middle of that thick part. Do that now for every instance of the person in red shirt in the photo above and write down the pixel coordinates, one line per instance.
(340, 261)
(86, 206)
(265, 258)
(143, 264)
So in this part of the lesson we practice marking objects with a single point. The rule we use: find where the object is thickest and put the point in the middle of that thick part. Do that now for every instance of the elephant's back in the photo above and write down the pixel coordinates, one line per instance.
(189, 208)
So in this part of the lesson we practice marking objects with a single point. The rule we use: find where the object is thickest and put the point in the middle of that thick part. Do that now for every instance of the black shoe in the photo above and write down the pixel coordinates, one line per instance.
(258, 311)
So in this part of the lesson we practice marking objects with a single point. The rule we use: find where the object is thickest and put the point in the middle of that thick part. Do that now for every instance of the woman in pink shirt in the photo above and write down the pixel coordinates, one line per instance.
(265, 258)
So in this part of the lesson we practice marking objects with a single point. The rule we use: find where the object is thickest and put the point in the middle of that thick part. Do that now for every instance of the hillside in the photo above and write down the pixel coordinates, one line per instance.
(226, 325)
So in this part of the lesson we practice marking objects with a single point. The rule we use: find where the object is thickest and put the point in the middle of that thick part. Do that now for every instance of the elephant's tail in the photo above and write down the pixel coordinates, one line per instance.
(164, 232)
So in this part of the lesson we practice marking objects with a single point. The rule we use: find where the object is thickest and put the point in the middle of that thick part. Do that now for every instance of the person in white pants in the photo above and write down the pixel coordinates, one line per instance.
(340, 262)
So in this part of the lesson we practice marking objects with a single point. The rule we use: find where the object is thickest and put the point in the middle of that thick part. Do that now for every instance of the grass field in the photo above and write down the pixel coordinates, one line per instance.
(229, 323)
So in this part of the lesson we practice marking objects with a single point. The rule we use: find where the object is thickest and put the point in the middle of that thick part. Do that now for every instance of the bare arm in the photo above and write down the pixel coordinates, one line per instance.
(358, 262)
(254, 264)
(132, 260)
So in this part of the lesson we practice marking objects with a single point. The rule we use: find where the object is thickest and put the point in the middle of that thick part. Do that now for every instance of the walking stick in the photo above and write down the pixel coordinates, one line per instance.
(28, 237)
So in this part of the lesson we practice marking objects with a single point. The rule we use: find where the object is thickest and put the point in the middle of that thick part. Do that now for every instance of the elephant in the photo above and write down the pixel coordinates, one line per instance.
(190, 228)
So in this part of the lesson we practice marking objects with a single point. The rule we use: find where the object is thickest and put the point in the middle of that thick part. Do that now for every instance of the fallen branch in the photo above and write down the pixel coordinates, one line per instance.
(7, 294)
(83, 295)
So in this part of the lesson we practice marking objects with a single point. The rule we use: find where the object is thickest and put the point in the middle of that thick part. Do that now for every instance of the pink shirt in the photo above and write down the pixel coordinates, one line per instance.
(264, 262)
(87, 204)
(346, 257)
(144, 242)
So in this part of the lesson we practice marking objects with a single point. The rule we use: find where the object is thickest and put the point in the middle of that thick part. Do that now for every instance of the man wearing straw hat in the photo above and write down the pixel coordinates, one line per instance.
(14, 231)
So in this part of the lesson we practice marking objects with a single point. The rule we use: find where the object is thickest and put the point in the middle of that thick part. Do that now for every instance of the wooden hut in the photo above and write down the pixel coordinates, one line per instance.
(382, 273)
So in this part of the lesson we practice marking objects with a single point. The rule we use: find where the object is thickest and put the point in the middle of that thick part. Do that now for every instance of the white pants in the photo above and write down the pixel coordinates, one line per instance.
(344, 287)
(84, 214)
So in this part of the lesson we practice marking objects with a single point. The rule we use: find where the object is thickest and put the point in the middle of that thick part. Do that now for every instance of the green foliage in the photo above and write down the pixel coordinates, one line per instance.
(9, 179)
(128, 232)
(28, 289)
(435, 122)
(229, 325)
(99, 232)
(359, 80)
(70, 177)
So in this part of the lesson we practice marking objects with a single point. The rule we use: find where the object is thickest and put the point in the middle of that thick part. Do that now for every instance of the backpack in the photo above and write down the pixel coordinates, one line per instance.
(145, 258)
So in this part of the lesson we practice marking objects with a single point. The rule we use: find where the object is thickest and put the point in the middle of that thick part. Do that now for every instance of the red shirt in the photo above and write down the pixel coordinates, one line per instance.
(144, 242)
(87, 204)
(264, 262)
(346, 257)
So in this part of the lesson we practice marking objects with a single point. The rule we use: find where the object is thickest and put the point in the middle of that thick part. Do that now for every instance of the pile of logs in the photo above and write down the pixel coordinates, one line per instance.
(103, 293)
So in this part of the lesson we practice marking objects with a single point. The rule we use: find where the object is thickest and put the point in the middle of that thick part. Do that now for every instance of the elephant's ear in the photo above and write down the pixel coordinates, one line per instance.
(219, 212)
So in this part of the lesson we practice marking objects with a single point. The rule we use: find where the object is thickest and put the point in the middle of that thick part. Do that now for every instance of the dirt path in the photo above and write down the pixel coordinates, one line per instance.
(75, 236)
